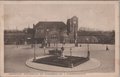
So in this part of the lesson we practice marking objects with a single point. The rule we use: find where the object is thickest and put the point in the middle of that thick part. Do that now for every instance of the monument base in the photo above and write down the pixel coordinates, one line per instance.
(68, 61)
(92, 63)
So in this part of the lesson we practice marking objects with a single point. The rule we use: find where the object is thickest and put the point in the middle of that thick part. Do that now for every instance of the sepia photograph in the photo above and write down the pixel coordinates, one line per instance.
(55, 38)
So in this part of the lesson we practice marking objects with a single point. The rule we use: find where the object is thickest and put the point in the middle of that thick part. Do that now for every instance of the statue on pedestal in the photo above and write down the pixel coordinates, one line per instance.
(62, 56)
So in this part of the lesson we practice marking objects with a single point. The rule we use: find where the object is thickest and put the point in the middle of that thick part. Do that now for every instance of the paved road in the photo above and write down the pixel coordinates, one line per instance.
(15, 58)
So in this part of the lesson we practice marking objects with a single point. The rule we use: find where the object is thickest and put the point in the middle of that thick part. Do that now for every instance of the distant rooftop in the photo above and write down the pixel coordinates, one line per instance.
(51, 24)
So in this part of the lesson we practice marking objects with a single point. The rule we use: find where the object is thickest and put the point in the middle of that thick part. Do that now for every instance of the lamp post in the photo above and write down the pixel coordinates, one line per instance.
(47, 30)
(48, 37)
(88, 47)
(34, 53)
(56, 43)
(88, 44)
(34, 42)
(16, 38)
(88, 53)
(16, 41)
(70, 52)
(44, 50)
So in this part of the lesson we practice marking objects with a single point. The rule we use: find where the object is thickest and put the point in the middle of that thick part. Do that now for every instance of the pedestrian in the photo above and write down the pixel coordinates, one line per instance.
(80, 45)
(49, 44)
(62, 49)
(107, 48)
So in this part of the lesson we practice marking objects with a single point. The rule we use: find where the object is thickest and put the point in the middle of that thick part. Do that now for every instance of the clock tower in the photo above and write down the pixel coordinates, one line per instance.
(74, 21)
(73, 28)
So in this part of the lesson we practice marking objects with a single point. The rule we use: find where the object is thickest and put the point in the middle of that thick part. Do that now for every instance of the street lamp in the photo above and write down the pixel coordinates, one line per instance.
(71, 64)
(88, 44)
(76, 41)
(34, 42)
(34, 53)
(88, 53)
(70, 51)
(16, 41)
(44, 50)
(56, 42)
(47, 36)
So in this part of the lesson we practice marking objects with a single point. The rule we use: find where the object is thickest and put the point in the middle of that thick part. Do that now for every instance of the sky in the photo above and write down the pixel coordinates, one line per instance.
(94, 16)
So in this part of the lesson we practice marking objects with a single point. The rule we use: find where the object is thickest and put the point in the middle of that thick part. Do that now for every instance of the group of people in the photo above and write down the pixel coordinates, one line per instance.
(45, 43)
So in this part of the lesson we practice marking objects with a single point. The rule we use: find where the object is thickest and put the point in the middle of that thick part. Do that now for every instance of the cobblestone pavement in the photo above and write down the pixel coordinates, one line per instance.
(15, 58)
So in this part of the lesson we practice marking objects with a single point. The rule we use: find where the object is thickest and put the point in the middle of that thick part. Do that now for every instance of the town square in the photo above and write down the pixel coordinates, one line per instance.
(74, 39)
(23, 53)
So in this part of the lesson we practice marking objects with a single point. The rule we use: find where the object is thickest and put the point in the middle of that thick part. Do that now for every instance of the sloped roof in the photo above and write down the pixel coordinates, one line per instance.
(51, 24)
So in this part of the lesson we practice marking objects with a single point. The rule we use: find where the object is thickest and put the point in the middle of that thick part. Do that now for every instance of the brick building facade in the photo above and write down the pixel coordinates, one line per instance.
(56, 31)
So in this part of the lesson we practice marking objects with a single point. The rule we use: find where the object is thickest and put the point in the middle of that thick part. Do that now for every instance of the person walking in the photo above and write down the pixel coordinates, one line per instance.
(62, 49)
